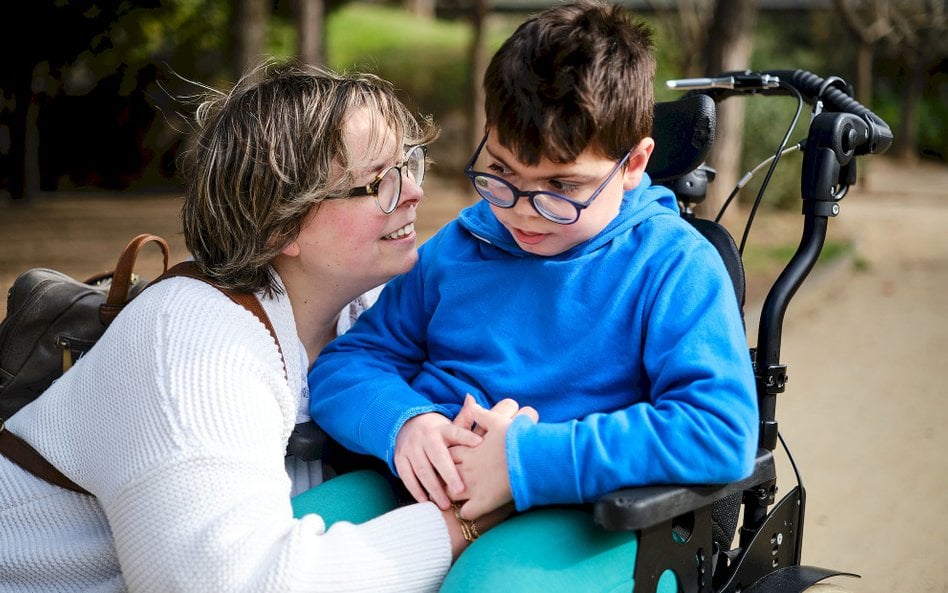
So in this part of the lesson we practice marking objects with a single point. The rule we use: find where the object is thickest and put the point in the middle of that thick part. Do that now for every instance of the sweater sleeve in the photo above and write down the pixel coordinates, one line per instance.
(189, 469)
(698, 424)
(359, 385)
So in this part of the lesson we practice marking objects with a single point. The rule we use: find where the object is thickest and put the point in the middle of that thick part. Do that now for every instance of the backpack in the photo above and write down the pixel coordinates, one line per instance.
(53, 319)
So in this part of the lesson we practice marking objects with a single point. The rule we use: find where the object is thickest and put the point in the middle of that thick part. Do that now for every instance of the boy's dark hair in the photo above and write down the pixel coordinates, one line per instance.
(574, 76)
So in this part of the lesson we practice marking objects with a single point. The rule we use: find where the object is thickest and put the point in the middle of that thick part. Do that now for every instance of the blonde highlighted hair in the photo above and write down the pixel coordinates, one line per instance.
(266, 153)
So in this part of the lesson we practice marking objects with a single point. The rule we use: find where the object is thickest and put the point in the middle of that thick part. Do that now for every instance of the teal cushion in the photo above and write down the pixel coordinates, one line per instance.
(355, 497)
(549, 551)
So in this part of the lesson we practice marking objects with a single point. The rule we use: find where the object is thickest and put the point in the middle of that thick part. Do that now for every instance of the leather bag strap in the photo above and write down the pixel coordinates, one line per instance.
(122, 276)
(247, 300)
(21, 453)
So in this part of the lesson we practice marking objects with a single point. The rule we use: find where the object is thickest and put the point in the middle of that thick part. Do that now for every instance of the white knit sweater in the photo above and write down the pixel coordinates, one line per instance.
(177, 421)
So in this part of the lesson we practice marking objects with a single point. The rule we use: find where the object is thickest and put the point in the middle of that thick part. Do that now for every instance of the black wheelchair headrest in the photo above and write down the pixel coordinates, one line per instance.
(684, 132)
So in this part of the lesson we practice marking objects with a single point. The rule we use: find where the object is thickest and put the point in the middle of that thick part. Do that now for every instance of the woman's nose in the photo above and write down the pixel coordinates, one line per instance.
(411, 191)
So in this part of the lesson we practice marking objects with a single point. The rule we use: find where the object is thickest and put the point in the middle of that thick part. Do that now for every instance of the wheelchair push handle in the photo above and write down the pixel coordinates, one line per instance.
(835, 95)
(832, 92)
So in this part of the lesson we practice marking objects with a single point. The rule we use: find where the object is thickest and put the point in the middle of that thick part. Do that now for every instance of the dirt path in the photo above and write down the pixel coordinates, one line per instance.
(865, 346)
(864, 411)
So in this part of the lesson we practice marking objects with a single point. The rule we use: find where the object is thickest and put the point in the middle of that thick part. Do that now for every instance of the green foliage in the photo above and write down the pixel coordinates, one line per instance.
(762, 258)
(933, 136)
(426, 59)
(766, 122)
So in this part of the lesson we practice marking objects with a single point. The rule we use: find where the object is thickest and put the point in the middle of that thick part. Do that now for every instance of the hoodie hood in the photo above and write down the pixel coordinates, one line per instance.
(638, 204)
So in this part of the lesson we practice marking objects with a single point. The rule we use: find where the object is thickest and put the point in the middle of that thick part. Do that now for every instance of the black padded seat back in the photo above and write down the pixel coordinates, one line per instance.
(718, 236)
(683, 131)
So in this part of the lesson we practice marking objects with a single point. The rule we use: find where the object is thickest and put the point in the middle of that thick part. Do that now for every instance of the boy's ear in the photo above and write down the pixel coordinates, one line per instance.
(635, 166)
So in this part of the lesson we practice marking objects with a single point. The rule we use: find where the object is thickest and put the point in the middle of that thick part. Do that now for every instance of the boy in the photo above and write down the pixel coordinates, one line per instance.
(574, 287)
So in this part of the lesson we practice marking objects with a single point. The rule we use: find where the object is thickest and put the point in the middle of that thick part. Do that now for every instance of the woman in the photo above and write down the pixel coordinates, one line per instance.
(301, 189)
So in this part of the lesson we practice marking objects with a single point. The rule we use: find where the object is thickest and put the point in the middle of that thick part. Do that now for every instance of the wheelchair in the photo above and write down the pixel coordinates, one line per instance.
(691, 530)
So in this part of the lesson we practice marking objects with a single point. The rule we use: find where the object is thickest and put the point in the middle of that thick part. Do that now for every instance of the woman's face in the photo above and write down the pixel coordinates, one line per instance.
(351, 242)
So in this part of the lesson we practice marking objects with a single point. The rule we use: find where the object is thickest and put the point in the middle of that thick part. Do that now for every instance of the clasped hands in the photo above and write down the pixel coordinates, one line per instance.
(461, 460)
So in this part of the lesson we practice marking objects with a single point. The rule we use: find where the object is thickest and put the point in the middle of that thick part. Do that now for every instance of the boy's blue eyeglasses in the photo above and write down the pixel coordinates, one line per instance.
(550, 205)
(387, 186)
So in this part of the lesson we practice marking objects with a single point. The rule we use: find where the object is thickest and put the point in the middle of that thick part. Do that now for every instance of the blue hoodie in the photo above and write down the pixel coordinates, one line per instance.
(629, 345)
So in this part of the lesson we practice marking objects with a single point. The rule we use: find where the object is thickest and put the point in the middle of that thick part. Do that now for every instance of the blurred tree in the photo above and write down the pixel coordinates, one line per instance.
(421, 8)
(688, 23)
(915, 32)
(728, 48)
(869, 21)
(38, 41)
(311, 31)
(249, 29)
(478, 60)
(79, 86)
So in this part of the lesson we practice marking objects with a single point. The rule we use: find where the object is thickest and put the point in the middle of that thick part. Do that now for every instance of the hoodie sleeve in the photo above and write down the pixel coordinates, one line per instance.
(698, 424)
(359, 391)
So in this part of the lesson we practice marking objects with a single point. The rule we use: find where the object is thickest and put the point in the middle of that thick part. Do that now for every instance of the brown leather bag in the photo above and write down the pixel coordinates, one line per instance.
(53, 319)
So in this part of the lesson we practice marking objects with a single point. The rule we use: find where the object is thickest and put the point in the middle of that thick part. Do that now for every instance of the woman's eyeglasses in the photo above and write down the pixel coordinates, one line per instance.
(387, 186)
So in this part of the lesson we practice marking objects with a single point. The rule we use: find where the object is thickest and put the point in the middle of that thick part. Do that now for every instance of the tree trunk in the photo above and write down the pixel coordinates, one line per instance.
(864, 73)
(478, 60)
(310, 31)
(729, 48)
(421, 8)
(907, 137)
(249, 28)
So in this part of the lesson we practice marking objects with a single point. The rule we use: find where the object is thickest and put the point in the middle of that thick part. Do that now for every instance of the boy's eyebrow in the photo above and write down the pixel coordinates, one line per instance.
(573, 175)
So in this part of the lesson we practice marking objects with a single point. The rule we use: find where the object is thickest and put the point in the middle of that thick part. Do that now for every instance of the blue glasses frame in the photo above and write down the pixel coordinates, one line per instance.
(541, 200)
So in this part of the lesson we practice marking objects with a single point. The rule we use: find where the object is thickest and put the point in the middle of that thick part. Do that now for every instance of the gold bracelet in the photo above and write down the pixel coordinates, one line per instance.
(468, 528)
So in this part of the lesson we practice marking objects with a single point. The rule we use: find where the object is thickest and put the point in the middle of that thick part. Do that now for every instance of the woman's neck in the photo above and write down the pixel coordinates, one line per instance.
(316, 308)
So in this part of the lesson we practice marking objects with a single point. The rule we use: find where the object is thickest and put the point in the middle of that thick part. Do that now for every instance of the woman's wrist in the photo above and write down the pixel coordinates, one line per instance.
(459, 543)
(463, 532)
(468, 527)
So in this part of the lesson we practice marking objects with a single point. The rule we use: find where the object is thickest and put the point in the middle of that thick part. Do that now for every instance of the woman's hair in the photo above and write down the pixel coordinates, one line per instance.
(575, 76)
(268, 151)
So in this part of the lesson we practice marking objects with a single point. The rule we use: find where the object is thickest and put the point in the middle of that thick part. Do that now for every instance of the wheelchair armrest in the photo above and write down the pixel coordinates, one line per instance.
(634, 509)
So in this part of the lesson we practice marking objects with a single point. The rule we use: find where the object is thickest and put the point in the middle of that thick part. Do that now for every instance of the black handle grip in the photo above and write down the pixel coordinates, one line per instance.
(838, 99)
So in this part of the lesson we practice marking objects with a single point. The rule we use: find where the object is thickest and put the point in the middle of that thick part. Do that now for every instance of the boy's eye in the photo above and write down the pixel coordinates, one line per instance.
(498, 170)
(563, 187)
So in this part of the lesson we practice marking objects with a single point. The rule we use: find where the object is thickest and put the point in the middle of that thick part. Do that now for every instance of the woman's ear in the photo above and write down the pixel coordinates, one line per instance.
(292, 249)
(635, 166)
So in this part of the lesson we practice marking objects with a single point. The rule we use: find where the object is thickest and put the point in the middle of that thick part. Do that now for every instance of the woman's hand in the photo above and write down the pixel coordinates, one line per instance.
(423, 461)
(483, 468)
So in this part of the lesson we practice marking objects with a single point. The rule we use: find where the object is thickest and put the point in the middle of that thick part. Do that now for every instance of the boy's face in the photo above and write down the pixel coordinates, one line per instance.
(577, 180)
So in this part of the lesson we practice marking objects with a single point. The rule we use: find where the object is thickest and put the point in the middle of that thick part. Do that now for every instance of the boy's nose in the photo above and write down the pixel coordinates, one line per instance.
(524, 207)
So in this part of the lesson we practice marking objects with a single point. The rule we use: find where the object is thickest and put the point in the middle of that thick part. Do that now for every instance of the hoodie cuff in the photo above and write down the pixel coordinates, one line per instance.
(541, 463)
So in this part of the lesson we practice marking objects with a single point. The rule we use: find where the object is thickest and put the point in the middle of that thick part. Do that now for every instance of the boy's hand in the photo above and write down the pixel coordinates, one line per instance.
(506, 408)
(423, 461)
(483, 468)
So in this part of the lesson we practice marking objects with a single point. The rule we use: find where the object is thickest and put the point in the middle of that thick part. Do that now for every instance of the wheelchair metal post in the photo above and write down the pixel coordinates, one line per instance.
(827, 171)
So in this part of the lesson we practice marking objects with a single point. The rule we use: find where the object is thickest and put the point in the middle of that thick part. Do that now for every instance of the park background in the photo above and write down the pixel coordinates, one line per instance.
(94, 104)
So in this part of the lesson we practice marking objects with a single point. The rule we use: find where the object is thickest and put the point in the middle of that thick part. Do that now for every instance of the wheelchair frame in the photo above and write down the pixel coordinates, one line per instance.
(676, 524)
